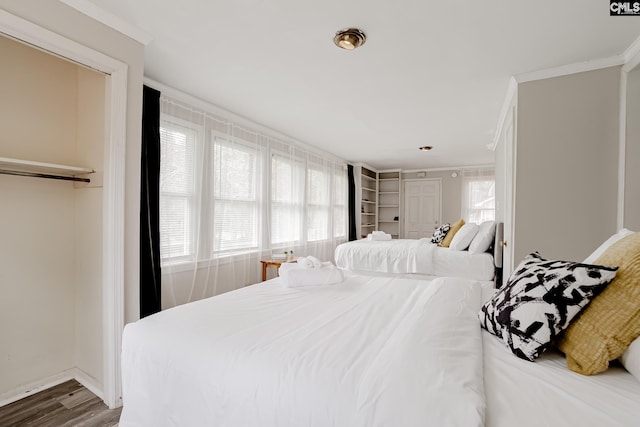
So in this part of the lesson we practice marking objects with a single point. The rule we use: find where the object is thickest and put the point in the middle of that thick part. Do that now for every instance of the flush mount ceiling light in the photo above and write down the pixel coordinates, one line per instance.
(349, 38)
(425, 148)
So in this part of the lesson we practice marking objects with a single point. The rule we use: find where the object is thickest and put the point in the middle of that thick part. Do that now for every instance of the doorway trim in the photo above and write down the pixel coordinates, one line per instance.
(113, 184)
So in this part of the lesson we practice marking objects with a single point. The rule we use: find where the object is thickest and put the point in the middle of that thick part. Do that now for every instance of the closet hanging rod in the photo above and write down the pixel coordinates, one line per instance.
(44, 175)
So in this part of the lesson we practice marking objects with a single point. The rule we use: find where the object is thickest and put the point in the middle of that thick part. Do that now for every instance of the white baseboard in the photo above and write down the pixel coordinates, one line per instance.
(44, 383)
(89, 382)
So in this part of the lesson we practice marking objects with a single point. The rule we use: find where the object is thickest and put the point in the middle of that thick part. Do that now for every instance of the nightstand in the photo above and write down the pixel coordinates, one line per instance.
(274, 263)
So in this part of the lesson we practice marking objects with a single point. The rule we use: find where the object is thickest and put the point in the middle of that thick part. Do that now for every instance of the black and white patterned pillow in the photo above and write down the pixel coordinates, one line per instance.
(440, 233)
(540, 300)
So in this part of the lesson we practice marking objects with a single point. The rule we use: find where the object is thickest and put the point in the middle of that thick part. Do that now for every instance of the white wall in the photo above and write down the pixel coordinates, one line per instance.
(68, 22)
(567, 164)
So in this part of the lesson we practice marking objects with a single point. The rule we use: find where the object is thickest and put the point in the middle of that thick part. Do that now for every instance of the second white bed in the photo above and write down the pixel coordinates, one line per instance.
(402, 256)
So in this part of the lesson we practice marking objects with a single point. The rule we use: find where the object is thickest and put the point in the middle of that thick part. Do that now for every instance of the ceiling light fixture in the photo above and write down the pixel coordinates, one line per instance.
(425, 148)
(349, 38)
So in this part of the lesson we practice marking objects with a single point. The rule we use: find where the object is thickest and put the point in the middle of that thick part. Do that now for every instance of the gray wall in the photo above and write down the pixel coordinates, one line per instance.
(632, 155)
(451, 193)
(567, 164)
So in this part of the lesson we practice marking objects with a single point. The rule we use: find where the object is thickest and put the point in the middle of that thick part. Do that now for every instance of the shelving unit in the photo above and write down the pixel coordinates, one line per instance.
(389, 202)
(368, 201)
(43, 170)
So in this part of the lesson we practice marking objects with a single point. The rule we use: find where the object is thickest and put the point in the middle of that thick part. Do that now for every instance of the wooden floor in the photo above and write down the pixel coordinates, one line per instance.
(65, 405)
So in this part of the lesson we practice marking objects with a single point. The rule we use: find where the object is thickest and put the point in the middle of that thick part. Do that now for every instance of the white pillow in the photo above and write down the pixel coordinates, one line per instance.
(603, 247)
(484, 238)
(631, 358)
(463, 237)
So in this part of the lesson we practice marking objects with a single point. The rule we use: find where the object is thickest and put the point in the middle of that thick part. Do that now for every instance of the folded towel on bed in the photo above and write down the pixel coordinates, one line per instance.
(379, 236)
(309, 262)
(294, 275)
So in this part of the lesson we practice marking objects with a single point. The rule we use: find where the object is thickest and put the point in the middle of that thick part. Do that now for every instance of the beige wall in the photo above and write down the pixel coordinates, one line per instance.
(61, 19)
(88, 226)
(37, 258)
(451, 192)
(632, 155)
(567, 164)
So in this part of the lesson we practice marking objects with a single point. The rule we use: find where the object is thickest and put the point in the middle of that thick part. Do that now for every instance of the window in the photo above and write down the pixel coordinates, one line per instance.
(339, 203)
(226, 191)
(478, 203)
(287, 198)
(177, 190)
(317, 203)
(236, 214)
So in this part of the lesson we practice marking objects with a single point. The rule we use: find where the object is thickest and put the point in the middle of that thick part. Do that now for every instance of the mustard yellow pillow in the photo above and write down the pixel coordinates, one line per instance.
(455, 227)
(608, 325)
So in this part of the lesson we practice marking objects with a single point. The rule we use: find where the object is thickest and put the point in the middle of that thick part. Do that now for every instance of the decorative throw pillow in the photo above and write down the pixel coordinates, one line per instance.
(539, 301)
(612, 321)
(455, 227)
(440, 233)
(484, 238)
(463, 237)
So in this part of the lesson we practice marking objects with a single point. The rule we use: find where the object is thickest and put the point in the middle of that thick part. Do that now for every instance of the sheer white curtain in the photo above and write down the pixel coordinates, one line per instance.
(230, 196)
(478, 195)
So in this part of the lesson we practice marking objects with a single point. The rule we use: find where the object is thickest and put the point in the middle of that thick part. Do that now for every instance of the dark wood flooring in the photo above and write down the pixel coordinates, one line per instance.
(65, 405)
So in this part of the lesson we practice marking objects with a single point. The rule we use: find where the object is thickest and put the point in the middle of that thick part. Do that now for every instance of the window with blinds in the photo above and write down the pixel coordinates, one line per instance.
(287, 199)
(236, 213)
(317, 203)
(478, 204)
(177, 190)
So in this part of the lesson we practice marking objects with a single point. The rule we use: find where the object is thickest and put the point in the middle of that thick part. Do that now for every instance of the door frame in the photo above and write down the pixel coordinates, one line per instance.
(113, 192)
(404, 181)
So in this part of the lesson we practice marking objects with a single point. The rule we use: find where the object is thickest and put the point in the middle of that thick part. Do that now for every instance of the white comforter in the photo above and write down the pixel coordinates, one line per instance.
(396, 256)
(372, 351)
(404, 256)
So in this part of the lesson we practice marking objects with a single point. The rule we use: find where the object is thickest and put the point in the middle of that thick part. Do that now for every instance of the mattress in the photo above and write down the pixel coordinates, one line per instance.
(370, 351)
(402, 256)
(545, 393)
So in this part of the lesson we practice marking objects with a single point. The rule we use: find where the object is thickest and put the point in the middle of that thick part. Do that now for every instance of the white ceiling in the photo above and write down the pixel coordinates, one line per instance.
(430, 73)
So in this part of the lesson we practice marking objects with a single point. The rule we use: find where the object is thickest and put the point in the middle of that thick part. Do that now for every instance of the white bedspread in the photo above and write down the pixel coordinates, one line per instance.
(404, 256)
(372, 351)
(545, 393)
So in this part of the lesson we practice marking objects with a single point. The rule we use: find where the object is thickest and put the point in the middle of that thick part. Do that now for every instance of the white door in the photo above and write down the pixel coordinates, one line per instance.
(509, 200)
(421, 208)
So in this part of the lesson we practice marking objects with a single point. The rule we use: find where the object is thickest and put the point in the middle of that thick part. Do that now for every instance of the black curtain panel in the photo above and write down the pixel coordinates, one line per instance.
(353, 235)
(150, 293)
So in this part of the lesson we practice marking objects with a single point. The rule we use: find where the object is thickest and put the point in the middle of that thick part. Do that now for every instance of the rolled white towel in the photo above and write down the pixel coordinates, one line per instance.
(309, 262)
(295, 276)
(378, 232)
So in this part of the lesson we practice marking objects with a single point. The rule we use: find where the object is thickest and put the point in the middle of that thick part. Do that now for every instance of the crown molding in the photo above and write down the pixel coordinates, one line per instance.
(632, 56)
(110, 20)
(565, 70)
(450, 168)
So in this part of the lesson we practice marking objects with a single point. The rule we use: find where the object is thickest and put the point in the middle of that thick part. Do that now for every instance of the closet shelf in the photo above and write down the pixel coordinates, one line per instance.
(43, 170)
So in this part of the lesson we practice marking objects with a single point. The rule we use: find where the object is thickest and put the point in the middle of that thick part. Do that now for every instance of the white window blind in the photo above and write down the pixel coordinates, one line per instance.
(339, 203)
(317, 203)
(287, 199)
(478, 195)
(236, 218)
(177, 190)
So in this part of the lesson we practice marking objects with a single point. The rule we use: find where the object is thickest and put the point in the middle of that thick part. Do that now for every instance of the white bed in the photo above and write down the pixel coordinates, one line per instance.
(371, 351)
(404, 256)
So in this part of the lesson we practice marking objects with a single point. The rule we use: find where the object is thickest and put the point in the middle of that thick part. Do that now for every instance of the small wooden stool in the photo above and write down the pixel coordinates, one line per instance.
(274, 263)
